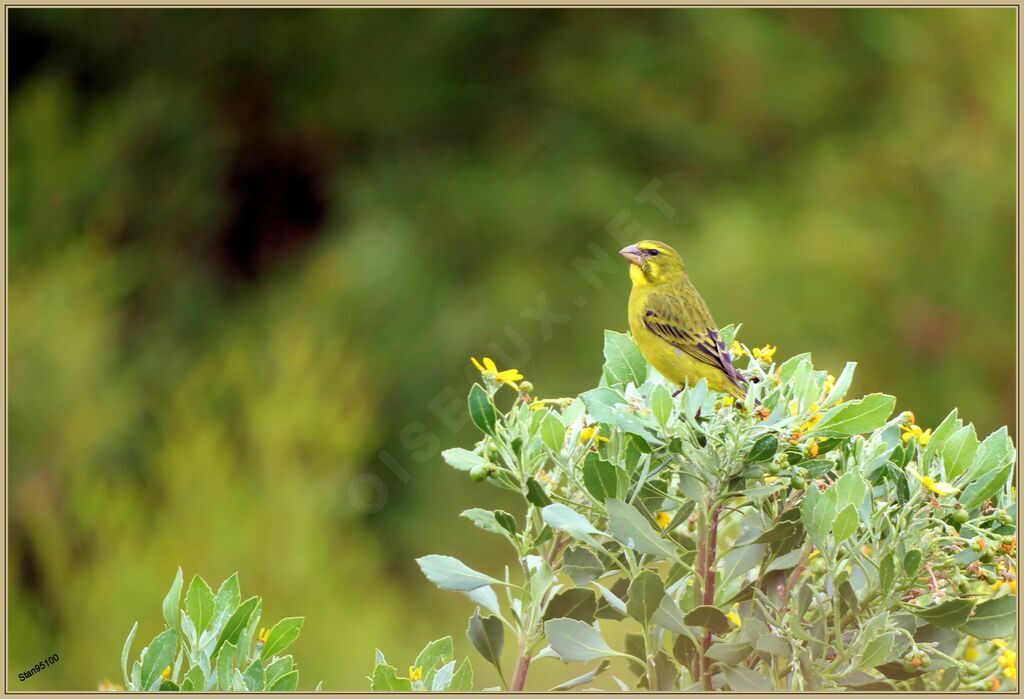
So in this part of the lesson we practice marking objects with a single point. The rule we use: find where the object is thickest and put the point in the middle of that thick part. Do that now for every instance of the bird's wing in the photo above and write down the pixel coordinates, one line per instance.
(682, 320)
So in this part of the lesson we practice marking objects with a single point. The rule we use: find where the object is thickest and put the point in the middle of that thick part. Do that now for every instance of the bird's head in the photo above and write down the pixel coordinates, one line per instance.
(653, 263)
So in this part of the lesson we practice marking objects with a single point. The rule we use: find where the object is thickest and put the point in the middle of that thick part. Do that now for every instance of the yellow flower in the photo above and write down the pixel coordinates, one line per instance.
(937, 487)
(166, 674)
(490, 370)
(663, 519)
(536, 404)
(794, 408)
(766, 353)
(734, 617)
(814, 554)
(727, 401)
(814, 419)
(830, 383)
(1007, 658)
(415, 673)
(262, 635)
(588, 433)
(912, 430)
(736, 349)
(970, 653)
(1010, 673)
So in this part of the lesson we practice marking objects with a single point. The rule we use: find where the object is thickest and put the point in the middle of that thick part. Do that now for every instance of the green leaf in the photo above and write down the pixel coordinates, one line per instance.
(958, 451)
(552, 432)
(877, 650)
(159, 654)
(763, 449)
(484, 519)
(581, 565)
(850, 490)
(535, 493)
(669, 616)
(435, 653)
(462, 680)
(290, 680)
(995, 618)
(947, 615)
(585, 678)
(126, 652)
(481, 411)
(573, 603)
(787, 561)
(857, 416)
(708, 617)
(781, 531)
(886, 573)
(912, 561)
(994, 453)
(632, 529)
(576, 641)
(946, 428)
(986, 487)
(565, 519)
(282, 635)
(845, 524)
(442, 678)
(385, 679)
(661, 404)
(817, 512)
(506, 521)
(168, 686)
(644, 596)
(729, 652)
(252, 678)
(194, 678)
(235, 624)
(228, 598)
(284, 665)
(600, 478)
(226, 666)
(199, 603)
(462, 459)
(488, 637)
(172, 601)
(623, 362)
(743, 679)
(841, 386)
(450, 573)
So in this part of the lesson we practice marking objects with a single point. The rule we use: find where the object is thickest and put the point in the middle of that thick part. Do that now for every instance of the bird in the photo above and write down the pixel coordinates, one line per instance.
(671, 324)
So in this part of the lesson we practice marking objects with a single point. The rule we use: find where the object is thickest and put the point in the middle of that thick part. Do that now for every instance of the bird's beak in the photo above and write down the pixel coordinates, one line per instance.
(633, 254)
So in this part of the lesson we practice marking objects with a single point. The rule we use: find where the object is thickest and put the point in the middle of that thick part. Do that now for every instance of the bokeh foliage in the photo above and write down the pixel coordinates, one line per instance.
(250, 252)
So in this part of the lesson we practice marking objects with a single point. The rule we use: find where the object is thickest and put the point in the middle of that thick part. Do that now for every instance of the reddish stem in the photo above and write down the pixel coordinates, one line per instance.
(708, 571)
(519, 676)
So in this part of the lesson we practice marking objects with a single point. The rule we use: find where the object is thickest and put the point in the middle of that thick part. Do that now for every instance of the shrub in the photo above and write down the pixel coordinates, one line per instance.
(791, 541)
(212, 644)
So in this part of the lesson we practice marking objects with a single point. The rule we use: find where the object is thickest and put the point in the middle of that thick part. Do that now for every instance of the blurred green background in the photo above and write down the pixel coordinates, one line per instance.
(250, 254)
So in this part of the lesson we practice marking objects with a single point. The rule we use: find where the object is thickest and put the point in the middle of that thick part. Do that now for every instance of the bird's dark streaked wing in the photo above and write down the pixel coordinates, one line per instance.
(690, 330)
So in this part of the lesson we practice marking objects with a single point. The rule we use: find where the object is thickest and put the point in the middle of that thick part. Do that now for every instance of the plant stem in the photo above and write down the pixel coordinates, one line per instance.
(709, 591)
(522, 667)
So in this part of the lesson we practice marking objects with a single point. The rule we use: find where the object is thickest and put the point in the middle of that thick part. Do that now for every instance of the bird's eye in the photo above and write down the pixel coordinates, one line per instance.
(652, 252)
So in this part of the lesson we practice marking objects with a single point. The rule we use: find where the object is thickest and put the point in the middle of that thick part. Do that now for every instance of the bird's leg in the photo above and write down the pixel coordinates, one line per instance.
(676, 394)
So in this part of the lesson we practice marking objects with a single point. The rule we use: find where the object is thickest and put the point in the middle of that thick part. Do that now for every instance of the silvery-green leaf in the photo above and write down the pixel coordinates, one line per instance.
(694, 398)
(172, 601)
(434, 653)
(572, 603)
(947, 615)
(841, 386)
(845, 524)
(850, 490)
(786, 561)
(564, 518)
(126, 651)
(290, 680)
(450, 573)
(196, 678)
(958, 451)
(576, 641)
(645, 594)
(188, 630)
(484, 519)
(282, 635)
(283, 666)
(661, 404)
(623, 361)
(669, 616)
(485, 597)
(252, 678)
(743, 679)
(581, 565)
(708, 617)
(225, 666)
(200, 603)
(877, 651)
(226, 601)
(552, 431)
(462, 680)
(992, 619)
(443, 677)
(461, 459)
(487, 634)
(994, 453)
(986, 486)
(158, 655)
(612, 599)
(236, 623)
(857, 416)
(585, 678)
(632, 529)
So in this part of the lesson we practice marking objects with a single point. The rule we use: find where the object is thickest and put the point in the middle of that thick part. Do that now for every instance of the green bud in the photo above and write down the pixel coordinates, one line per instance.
(960, 517)
(969, 670)
(772, 468)
(479, 473)
(798, 482)
(525, 387)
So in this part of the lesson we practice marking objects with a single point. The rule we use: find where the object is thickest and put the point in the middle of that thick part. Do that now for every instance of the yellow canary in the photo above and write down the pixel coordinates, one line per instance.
(671, 324)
